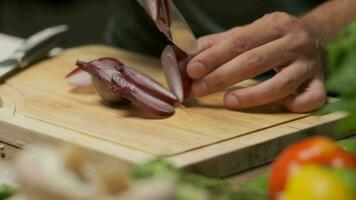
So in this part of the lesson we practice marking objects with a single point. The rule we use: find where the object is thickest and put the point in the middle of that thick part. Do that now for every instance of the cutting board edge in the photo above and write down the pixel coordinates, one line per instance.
(224, 158)
(20, 131)
(206, 160)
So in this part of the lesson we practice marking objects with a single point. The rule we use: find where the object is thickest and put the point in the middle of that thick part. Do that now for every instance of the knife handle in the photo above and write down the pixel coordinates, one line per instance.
(37, 46)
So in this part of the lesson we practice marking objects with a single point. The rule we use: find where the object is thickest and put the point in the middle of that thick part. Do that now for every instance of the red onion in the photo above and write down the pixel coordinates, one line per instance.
(149, 85)
(116, 83)
(102, 73)
(174, 63)
(141, 98)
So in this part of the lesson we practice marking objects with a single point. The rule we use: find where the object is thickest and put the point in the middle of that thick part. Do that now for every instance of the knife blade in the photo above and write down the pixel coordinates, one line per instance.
(33, 49)
(180, 32)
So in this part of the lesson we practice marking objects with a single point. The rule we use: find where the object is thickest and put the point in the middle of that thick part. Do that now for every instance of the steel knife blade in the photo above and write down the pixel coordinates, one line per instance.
(180, 32)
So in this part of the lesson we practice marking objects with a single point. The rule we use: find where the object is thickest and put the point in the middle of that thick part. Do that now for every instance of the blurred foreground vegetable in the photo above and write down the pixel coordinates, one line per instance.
(6, 191)
(312, 182)
(316, 150)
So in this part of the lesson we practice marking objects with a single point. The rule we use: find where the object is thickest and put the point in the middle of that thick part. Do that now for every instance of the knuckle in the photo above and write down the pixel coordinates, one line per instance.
(281, 22)
(253, 59)
(218, 82)
(310, 65)
(300, 41)
(240, 43)
(214, 83)
(285, 86)
(314, 66)
(282, 19)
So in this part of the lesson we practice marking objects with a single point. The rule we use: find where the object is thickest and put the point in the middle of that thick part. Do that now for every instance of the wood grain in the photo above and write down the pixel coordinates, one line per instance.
(38, 105)
(46, 96)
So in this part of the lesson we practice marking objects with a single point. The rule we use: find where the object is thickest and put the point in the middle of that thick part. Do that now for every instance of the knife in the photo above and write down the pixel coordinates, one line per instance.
(180, 32)
(33, 49)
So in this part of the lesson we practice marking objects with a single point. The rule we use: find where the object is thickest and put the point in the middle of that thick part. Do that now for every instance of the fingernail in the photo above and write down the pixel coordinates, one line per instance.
(195, 69)
(199, 88)
(231, 101)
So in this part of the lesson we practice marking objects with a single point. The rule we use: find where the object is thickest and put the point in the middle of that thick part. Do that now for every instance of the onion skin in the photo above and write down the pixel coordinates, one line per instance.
(116, 83)
(174, 63)
(102, 74)
(149, 85)
(141, 98)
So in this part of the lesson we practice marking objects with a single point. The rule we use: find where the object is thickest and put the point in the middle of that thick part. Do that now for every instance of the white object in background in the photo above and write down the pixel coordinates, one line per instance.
(8, 44)
(33, 49)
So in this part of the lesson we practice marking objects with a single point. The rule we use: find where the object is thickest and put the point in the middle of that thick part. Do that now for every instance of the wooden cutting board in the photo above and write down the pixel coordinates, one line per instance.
(38, 104)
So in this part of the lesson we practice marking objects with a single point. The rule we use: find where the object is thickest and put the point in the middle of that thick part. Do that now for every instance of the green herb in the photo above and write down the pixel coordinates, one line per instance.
(342, 80)
(6, 192)
(348, 145)
(193, 186)
(259, 185)
(189, 183)
(157, 167)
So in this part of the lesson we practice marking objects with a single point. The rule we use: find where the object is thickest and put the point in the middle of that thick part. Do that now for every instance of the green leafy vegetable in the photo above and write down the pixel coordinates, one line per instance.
(260, 185)
(342, 80)
(189, 183)
(6, 192)
(348, 145)
(194, 186)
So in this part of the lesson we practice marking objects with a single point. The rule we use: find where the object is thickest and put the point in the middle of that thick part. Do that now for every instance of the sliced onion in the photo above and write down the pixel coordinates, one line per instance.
(141, 98)
(149, 85)
(174, 63)
(79, 78)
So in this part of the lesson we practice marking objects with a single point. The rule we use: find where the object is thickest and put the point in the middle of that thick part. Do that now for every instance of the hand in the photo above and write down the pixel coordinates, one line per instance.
(276, 41)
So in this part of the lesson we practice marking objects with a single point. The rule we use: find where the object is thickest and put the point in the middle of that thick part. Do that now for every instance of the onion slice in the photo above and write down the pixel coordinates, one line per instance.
(174, 63)
(141, 98)
(79, 78)
(149, 85)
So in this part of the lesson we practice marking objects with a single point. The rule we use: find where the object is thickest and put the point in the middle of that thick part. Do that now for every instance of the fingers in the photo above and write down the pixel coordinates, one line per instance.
(246, 66)
(208, 41)
(312, 98)
(238, 40)
(280, 86)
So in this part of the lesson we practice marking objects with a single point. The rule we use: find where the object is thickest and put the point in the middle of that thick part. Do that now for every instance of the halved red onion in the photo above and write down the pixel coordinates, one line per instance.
(174, 63)
(79, 78)
(108, 63)
(149, 85)
(102, 73)
(141, 98)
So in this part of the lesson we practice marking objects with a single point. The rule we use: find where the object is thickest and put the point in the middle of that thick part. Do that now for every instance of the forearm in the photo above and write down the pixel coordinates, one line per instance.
(327, 19)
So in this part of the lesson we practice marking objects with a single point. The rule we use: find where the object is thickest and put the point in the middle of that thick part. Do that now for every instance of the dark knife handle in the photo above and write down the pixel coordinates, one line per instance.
(36, 47)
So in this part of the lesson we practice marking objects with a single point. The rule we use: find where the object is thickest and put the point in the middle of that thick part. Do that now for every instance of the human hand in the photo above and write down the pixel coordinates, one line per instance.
(276, 41)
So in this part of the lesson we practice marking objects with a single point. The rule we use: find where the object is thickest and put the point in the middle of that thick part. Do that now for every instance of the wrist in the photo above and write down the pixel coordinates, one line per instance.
(315, 29)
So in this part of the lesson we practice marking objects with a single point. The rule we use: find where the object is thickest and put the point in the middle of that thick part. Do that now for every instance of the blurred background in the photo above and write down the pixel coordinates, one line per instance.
(87, 18)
